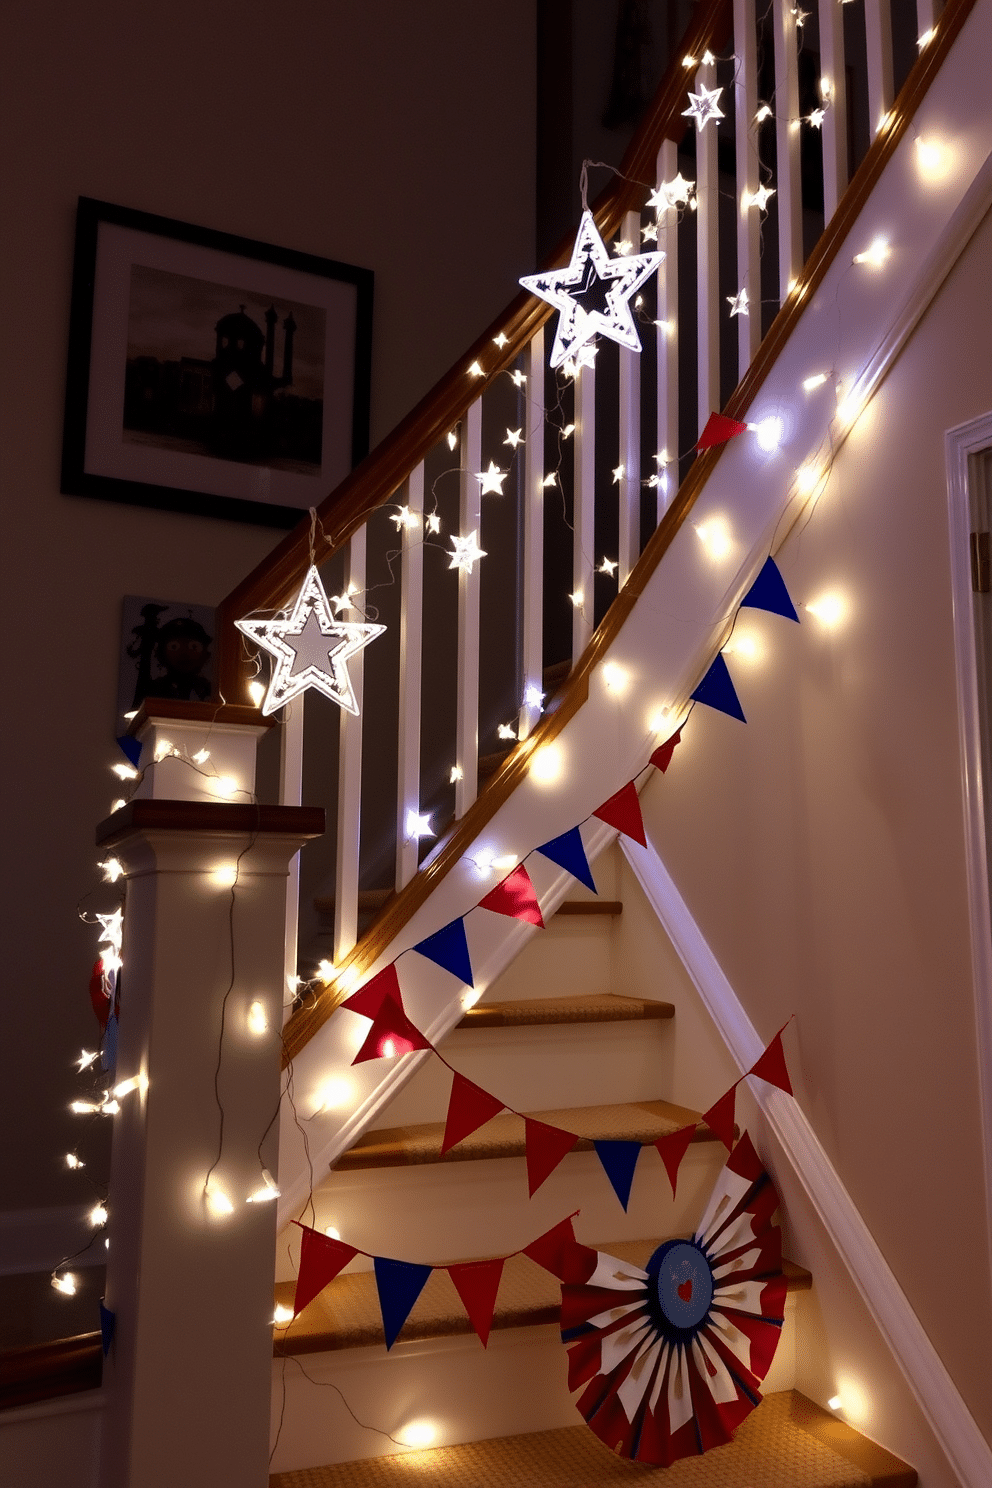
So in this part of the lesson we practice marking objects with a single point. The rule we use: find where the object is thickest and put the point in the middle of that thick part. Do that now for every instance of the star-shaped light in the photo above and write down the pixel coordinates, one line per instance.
(618, 475)
(608, 566)
(703, 106)
(86, 1058)
(518, 378)
(500, 340)
(760, 198)
(592, 293)
(738, 303)
(491, 480)
(533, 696)
(311, 648)
(113, 929)
(433, 522)
(403, 517)
(418, 826)
(763, 113)
(673, 193)
(802, 16)
(505, 732)
(649, 232)
(816, 118)
(623, 246)
(514, 437)
(465, 551)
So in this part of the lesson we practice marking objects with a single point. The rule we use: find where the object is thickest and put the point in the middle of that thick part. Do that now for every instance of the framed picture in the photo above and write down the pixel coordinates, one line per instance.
(210, 373)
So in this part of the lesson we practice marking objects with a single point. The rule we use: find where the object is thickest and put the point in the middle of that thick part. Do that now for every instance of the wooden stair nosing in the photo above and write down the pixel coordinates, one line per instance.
(607, 1007)
(503, 1136)
(371, 901)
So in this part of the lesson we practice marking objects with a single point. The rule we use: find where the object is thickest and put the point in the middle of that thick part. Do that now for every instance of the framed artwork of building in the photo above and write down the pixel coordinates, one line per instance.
(210, 373)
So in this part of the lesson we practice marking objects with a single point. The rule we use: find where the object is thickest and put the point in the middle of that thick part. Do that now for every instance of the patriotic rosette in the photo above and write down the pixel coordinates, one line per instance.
(671, 1357)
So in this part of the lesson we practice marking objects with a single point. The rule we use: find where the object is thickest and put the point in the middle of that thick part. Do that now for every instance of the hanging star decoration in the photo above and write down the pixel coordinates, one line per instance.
(760, 197)
(465, 551)
(311, 648)
(704, 106)
(592, 293)
(491, 480)
(738, 303)
(816, 118)
(674, 193)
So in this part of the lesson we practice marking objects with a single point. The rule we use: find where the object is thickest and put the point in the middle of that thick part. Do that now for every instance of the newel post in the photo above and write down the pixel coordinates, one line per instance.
(190, 1269)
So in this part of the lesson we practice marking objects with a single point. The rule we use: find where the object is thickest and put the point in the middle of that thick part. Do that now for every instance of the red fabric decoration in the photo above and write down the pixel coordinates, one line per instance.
(718, 430)
(516, 898)
(368, 1000)
(662, 756)
(720, 1116)
(771, 1064)
(623, 811)
(469, 1107)
(99, 996)
(321, 1258)
(558, 1251)
(546, 1146)
(391, 1033)
(477, 1283)
(672, 1149)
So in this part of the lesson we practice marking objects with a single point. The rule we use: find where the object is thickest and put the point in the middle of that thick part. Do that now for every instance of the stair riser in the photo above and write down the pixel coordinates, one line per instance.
(574, 954)
(466, 1392)
(452, 1211)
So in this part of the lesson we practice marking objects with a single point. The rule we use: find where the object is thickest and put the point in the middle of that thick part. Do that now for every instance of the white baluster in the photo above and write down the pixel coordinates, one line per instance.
(748, 217)
(707, 259)
(667, 346)
(787, 126)
(291, 794)
(833, 98)
(467, 704)
(878, 49)
(584, 510)
(630, 435)
(411, 652)
(532, 533)
(350, 775)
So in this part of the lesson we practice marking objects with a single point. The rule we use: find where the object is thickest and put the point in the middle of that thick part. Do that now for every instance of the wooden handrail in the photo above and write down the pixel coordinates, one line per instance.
(308, 1019)
(372, 483)
(41, 1371)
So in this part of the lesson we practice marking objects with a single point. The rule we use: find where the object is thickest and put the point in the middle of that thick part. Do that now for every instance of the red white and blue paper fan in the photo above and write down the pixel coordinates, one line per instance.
(669, 1358)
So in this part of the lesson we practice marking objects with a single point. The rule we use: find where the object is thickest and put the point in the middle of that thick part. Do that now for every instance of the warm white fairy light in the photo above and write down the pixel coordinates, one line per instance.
(830, 609)
(267, 1192)
(623, 246)
(491, 480)
(256, 691)
(113, 869)
(835, 1403)
(932, 159)
(514, 437)
(86, 1058)
(808, 477)
(332, 1232)
(518, 378)
(925, 38)
(218, 1202)
(109, 1107)
(826, 88)
(293, 983)
(801, 16)
(202, 755)
(452, 439)
(84, 1108)
(465, 552)
(505, 732)
(113, 929)
(455, 774)
(418, 825)
(764, 112)
(257, 1019)
(125, 772)
(133, 1082)
(816, 117)
(618, 474)
(66, 1283)
(769, 432)
(715, 536)
(568, 431)
(282, 1316)
(547, 764)
(470, 997)
(810, 384)
(738, 303)
(759, 198)
(549, 481)
(615, 679)
(533, 696)
(577, 598)
(649, 234)
(163, 748)
(501, 340)
(74, 1162)
(433, 523)
(689, 61)
(326, 971)
(117, 805)
(475, 370)
(404, 518)
(674, 193)
(608, 566)
(418, 1433)
(98, 1215)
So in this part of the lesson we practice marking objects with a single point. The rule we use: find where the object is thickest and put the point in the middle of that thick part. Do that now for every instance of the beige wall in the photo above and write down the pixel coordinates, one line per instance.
(395, 136)
(821, 848)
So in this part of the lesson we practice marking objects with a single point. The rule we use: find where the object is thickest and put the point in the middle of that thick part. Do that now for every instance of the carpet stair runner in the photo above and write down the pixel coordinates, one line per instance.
(533, 1011)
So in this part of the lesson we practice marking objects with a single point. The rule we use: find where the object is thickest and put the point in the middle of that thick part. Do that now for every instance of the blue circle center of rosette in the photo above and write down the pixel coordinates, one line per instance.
(683, 1283)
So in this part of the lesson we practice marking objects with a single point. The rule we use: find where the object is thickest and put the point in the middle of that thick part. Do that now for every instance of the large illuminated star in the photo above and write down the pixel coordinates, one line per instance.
(311, 648)
(703, 106)
(592, 293)
(113, 929)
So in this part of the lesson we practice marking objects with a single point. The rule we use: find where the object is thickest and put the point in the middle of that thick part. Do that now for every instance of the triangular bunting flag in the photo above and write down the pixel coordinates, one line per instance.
(662, 756)
(516, 898)
(720, 1117)
(546, 1146)
(391, 1033)
(718, 430)
(399, 1284)
(623, 811)
(717, 690)
(469, 1107)
(368, 999)
(672, 1149)
(477, 1283)
(558, 1251)
(619, 1160)
(130, 748)
(771, 1064)
(448, 948)
(99, 995)
(108, 1322)
(768, 592)
(321, 1258)
(569, 852)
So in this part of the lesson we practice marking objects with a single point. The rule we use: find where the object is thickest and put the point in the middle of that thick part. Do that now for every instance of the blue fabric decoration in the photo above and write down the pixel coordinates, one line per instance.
(569, 853)
(448, 948)
(619, 1160)
(399, 1284)
(108, 1322)
(717, 690)
(768, 592)
(130, 747)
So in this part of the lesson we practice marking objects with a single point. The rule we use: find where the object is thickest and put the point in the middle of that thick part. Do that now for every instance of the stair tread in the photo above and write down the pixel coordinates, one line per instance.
(786, 1440)
(605, 1007)
(347, 1315)
(503, 1136)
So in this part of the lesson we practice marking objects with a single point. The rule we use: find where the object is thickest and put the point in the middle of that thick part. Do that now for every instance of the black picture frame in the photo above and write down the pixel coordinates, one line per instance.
(147, 423)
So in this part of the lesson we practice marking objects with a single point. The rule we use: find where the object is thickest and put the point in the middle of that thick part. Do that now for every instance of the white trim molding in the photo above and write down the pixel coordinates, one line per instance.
(954, 1427)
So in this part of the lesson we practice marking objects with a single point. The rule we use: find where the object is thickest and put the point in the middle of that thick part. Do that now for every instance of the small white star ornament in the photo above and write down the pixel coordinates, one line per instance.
(703, 106)
(311, 648)
(465, 552)
(592, 293)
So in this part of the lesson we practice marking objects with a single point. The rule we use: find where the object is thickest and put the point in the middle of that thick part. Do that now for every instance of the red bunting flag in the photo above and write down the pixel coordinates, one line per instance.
(623, 811)
(771, 1065)
(662, 756)
(368, 1000)
(718, 430)
(99, 994)
(672, 1149)
(516, 898)
(558, 1251)
(477, 1283)
(469, 1107)
(391, 1033)
(720, 1116)
(321, 1258)
(545, 1148)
